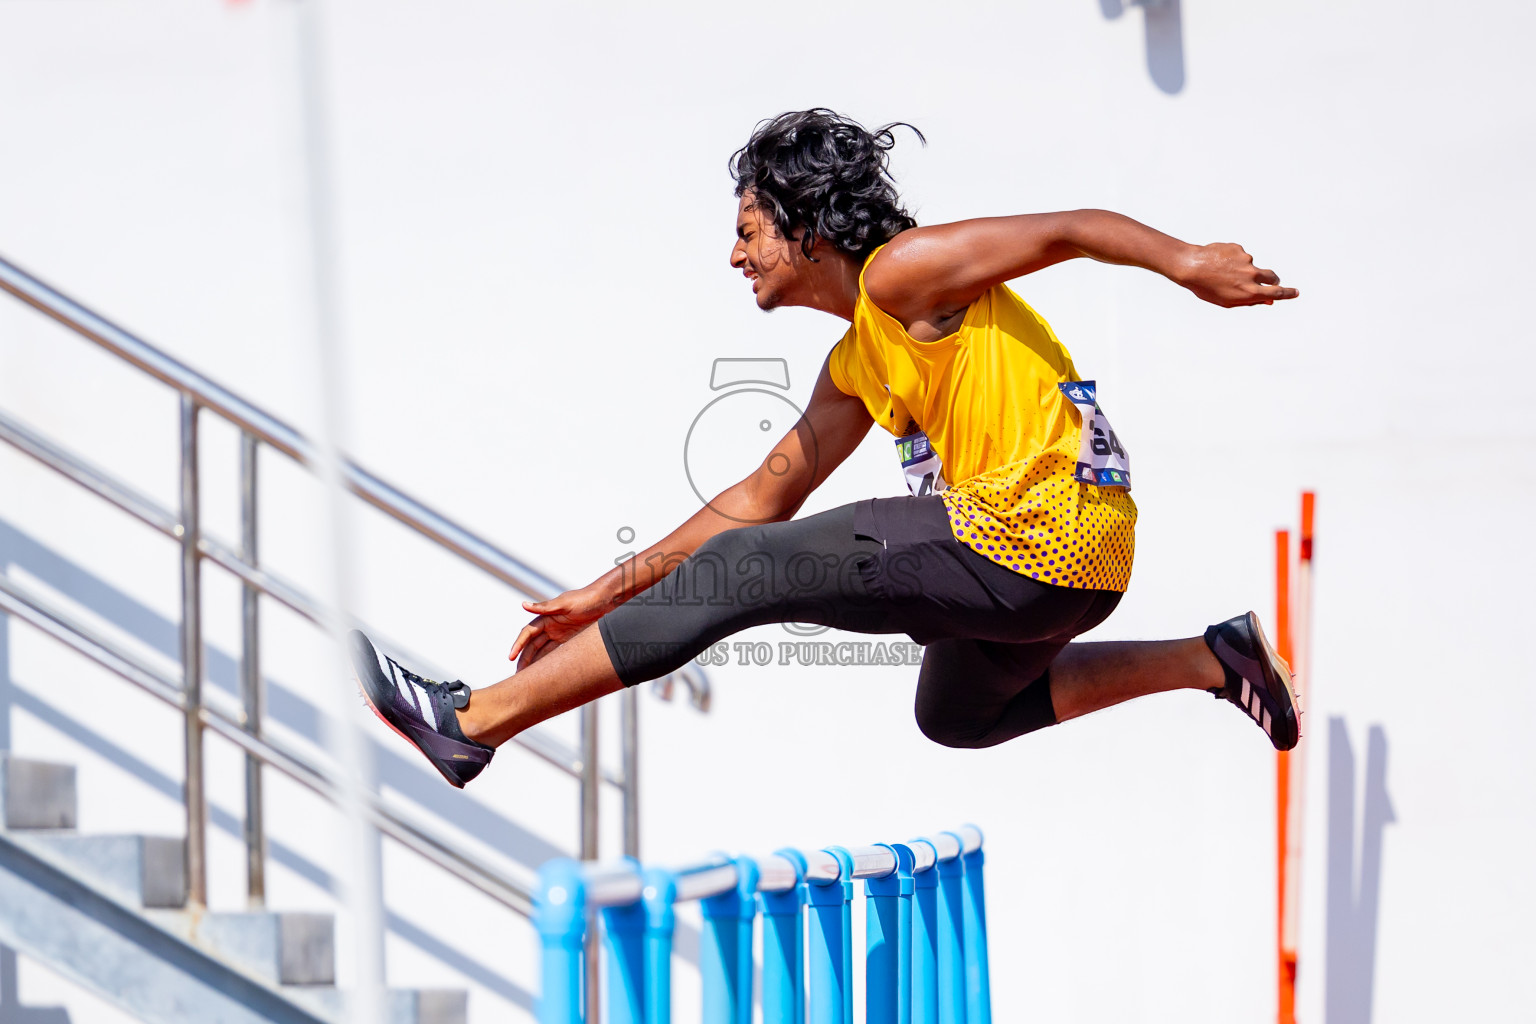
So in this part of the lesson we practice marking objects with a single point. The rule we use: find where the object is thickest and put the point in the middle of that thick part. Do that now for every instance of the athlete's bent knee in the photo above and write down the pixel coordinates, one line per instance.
(948, 726)
(947, 732)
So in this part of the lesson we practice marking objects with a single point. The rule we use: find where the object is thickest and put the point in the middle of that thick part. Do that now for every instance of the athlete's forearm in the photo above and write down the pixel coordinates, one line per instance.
(1114, 238)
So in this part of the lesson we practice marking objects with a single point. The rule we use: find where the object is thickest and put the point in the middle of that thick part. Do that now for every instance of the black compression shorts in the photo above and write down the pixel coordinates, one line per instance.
(884, 565)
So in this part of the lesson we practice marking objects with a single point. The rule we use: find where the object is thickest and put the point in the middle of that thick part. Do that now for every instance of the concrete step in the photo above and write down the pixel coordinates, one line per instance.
(114, 951)
(36, 794)
(287, 956)
(276, 948)
(139, 871)
(402, 1006)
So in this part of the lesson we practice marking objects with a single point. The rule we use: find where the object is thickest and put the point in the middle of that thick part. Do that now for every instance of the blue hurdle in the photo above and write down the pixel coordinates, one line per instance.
(925, 942)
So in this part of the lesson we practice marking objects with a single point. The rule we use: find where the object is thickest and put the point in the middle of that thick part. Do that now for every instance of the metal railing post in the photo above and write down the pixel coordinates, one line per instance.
(591, 777)
(192, 658)
(629, 755)
(252, 698)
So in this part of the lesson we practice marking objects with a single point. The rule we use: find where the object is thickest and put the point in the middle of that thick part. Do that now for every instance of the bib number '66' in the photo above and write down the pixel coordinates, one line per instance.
(1101, 459)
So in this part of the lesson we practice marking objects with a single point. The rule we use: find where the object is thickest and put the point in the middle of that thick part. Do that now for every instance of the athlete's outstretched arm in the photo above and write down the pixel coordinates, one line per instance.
(830, 429)
(940, 269)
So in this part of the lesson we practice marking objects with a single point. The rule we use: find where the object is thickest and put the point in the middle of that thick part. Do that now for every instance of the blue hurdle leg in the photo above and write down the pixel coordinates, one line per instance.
(725, 955)
(624, 944)
(657, 895)
(925, 939)
(978, 989)
(951, 946)
(845, 861)
(829, 949)
(746, 922)
(560, 914)
(783, 952)
(888, 943)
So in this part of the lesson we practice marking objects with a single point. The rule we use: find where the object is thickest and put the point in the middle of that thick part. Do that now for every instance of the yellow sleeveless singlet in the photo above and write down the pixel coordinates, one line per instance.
(987, 398)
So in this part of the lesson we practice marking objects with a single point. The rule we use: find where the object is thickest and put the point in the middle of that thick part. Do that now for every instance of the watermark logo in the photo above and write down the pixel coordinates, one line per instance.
(736, 429)
(802, 653)
(734, 432)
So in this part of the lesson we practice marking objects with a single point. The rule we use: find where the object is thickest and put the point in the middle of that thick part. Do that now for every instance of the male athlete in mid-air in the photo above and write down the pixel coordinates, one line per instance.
(1020, 530)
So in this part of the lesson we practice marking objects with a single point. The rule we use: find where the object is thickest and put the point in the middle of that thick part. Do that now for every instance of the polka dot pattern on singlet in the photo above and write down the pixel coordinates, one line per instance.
(1045, 524)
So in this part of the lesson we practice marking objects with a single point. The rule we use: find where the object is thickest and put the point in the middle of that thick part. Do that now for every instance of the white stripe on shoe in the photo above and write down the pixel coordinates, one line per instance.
(386, 667)
(423, 699)
(403, 684)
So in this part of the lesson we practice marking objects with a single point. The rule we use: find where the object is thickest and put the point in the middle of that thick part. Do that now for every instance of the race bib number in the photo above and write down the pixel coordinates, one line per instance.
(920, 464)
(1102, 458)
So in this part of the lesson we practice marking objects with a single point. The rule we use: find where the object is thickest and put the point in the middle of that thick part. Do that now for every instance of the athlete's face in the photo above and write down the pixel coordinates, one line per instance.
(769, 260)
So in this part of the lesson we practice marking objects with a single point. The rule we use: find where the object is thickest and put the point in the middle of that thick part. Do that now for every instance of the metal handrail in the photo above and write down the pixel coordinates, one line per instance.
(257, 427)
(252, 420)
(241, 565)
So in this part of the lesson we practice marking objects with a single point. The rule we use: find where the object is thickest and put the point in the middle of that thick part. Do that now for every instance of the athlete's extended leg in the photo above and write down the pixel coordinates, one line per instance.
(1084, 677)
(807, 570)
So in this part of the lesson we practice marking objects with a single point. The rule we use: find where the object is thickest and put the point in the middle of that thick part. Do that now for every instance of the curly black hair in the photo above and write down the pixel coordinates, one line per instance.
(817, 170)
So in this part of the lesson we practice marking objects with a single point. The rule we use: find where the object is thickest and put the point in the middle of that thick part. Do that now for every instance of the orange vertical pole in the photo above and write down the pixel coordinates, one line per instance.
(1298, 651)
(1286, 961)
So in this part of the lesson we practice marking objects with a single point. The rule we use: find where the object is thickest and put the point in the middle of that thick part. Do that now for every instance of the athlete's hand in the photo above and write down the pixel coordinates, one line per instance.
(1224, 273)
(556, 621)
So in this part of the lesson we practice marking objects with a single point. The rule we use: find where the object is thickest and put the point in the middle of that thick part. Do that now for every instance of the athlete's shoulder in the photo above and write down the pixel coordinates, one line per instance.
(925, 274)
(888, 274)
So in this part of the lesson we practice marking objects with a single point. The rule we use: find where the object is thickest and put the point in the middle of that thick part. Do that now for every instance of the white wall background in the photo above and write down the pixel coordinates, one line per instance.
(535, 218)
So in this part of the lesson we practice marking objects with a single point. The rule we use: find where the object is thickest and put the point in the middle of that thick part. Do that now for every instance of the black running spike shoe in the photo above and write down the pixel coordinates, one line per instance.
(423, 711)
(1258, 679)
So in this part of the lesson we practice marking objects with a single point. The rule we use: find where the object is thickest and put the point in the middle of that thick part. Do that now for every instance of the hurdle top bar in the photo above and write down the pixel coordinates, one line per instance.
(619, 884)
